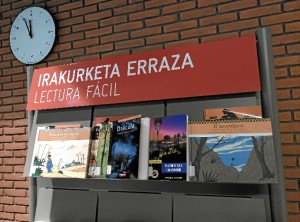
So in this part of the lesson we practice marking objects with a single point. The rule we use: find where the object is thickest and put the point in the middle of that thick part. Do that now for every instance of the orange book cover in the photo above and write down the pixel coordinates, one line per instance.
(233, 112)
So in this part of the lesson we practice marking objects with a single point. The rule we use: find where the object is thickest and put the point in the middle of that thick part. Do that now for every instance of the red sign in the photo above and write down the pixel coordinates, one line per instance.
(213, 68)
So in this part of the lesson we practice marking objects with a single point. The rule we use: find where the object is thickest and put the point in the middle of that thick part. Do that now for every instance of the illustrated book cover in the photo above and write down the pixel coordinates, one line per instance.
(238, 151)
(123, 157)
(168, 148)
(61, 152)
(239, 112)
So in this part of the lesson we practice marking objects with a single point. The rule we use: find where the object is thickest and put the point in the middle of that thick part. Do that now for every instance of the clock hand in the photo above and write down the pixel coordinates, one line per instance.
(28, 28)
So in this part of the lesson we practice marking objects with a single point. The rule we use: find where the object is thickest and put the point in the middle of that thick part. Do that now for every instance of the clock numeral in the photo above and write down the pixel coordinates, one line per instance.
(41, 53)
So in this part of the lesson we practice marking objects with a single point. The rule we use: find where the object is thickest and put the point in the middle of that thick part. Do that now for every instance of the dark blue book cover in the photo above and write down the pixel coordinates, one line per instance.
(168, 148)
(124, 150)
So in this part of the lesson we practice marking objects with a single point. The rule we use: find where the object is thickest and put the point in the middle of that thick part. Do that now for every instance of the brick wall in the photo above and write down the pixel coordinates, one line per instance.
(95, 29)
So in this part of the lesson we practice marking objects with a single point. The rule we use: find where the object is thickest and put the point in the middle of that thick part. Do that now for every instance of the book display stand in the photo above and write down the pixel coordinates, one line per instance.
(58, 199)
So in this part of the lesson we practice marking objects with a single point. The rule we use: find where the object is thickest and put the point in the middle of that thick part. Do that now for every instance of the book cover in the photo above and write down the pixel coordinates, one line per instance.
(239, 151)
(233, 112)
(61, 152)
(123, 158)
(168, 148)
(99, 151)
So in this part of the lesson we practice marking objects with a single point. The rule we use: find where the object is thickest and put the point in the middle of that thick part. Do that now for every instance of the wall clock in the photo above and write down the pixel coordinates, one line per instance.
(32, 35)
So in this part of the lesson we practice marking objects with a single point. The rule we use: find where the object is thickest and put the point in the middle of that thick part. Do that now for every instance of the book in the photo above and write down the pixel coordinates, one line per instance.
(168, 148)
(144, 149)
(237, 150)
(61, 152)
(123, 158)
(233, 112)
(101, 143)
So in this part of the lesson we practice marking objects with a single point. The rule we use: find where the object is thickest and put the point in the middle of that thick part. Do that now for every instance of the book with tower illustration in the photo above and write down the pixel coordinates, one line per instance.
(236, 150)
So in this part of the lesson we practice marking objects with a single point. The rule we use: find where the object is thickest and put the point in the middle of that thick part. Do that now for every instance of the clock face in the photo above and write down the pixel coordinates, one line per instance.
(32, 35)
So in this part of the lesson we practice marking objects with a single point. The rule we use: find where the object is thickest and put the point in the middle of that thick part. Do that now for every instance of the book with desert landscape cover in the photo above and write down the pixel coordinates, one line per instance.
(61, 153)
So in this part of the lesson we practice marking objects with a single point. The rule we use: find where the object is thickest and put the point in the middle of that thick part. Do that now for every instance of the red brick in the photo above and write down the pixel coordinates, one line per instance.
(281, 72)
(5, 79)
(5, 139)
(276, 29)
(260, 11)
(293, 207)
(128, 9)
(144, 14)
(293, 196)
(182, 43)
(280, 18)
(14, 161)
(221, 18)
(13, 100)
(147, 49)
(294, 218)
(161, 20)
(199, 32)
(290, 127)
(6, 93)
(158, 3)
(19, 77)
(70, 21)
(128, 26)
(203, 3)
(15, 193)
(146, 32)
(20, 92)
(114, 37)
(297, 115)
(295, 71)
(285, 116)
(183, 6)
(180, 26)
(15, 209)
(72, 53)
(12, 71)
(113, 20)
(7, 216)
(291, 149)
(237, 5)
(6, 169)
(14, 177)
(20, 138)
(5, 109)
(291, 184)
(296, 93)
(21, 184)
(244, 24)
(15, 146)
(98, 15)
(18, 169)
(286, 138)
(13, 85)
(22, 217)
(283, 94)
(85, 26)
(86, 42)
(292, 27)
(71, 37)
(162, 38)
(198, 13)
(6, 123)
(293, 48)
(7, 200)
(287, 38)
(21, 201)
(14, 115)
(279, 50)
(70, 6)
(129, 43)
(219, 37)
(289, 161)
(84, 10)
(20, 122)
(292, 6)
(116, 53)
(6, 184)
(287, 83)
(5, 154)
(100, 48)
(112, 4)
(99, 32)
